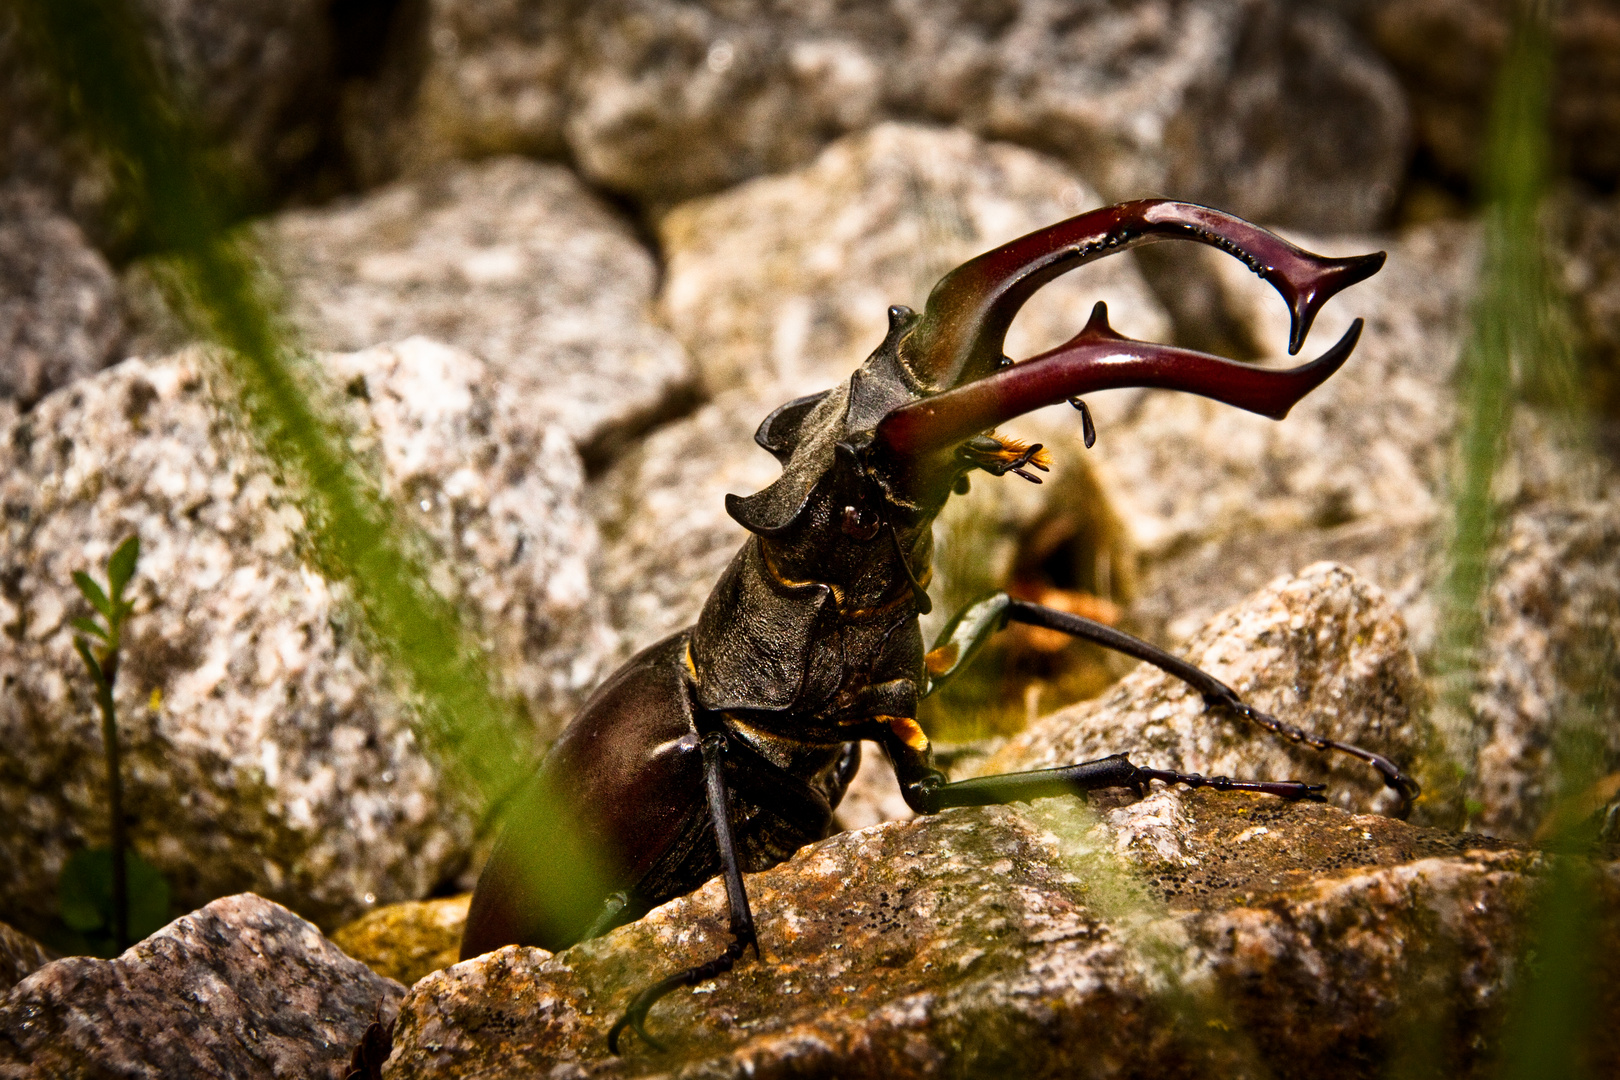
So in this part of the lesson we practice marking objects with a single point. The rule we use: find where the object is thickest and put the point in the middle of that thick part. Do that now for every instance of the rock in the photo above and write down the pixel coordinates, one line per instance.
(1587, 232)
(513, 261)
(1366, 447)
(1549, 663)
(781, 287)
(1219, 501)
(784, 283)
(60, 316)
(19, 955)
(1446, 54)
(407, 941)
(242, 988)
(260, 81)
(1322, 650)
(1021, 940)
(664, 101)
(263, 744)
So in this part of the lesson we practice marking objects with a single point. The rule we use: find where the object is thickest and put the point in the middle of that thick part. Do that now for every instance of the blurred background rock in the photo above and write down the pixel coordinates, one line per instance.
(636, 226)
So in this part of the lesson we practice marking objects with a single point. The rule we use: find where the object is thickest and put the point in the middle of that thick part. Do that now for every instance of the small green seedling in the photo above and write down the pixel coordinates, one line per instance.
(110, 896)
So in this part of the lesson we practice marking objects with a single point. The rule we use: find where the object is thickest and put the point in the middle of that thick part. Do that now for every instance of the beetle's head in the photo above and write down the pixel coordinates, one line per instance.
(887, 447)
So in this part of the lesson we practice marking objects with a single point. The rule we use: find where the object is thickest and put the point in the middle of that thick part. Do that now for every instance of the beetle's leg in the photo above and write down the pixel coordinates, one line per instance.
(931, 793)
(965, 634)
(742, 918)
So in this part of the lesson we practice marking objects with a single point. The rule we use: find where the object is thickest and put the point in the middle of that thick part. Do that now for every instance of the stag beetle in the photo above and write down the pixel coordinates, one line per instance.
(725, 747)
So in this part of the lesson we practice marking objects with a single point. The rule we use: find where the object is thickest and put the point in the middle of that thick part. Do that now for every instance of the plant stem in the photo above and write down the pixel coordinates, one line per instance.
(115, 797)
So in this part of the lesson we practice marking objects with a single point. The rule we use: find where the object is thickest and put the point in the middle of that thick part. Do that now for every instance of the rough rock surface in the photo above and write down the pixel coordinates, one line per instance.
(511, 260)
(664, 101)
(19, 955)
(60, 315)
(781, 287)
(260, 79)
(1162, 936)
(1220, 501)
(241, 988)
(263, 747)
(1588, 231)
(1322, 650)
(1447, 52)
(1019, 941)
(407, 941)
(1550, 657)
(785, 282)
(1368, 446)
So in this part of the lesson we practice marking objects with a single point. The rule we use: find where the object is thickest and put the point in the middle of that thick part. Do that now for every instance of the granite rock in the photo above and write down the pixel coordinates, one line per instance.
(513, 261)
(1549, 661)
(260, 80)
(241, 988)
(663, 101)
(1587, 232)
(407, 941)
(19, 956)
(1173, 937)
(1323, 650)
(1360, 472)
(60, 314)
(784, 283)
(1446, 54)
(264, 746)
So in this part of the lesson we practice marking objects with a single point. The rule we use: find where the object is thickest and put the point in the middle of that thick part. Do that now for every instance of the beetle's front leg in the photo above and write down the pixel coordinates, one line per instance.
(967, 633)
(742, 918)
(927, 791)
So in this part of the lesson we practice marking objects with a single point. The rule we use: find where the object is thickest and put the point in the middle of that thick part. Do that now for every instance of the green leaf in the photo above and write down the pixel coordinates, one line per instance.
(88, 626)
(92, 592)
(89, 659)
(121, 567)
(85, 890)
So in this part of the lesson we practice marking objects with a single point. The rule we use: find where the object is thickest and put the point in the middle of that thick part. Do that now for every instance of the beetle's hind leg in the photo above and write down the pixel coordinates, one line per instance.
(742, 918)
(967, 632)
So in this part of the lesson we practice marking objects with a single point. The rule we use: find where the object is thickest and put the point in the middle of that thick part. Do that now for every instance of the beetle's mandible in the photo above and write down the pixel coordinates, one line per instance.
(726, 747)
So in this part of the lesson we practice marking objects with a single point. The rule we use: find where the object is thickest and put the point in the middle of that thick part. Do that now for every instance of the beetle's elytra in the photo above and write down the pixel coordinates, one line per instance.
(725, 747)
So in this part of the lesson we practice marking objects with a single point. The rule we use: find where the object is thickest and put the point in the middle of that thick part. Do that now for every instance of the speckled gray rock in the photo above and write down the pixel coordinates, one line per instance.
(19, 956)
(241, 988)
(1550, 657)
(1219, 501)
(1323, 650)
(260, 78)
(785, 282)
(511, 260)
(1367, 446)
(263, 746)
(664, 101)
(60, 315)
(781, 287)
(1446, 54)
(1020, 941)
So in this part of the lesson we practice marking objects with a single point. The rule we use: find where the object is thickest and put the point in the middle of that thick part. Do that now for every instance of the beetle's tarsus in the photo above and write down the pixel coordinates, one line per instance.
(1396, 780)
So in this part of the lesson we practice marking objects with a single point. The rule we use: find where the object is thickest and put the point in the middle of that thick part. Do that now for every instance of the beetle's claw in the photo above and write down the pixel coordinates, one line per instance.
(634, 1018)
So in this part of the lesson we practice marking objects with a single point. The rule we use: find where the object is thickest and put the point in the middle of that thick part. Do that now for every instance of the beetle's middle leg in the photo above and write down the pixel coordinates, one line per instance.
(742, 918)
(965, 634)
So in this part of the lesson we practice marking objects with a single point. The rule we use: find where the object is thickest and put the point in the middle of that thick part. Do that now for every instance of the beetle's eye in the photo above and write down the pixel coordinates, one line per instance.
(858, 523)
